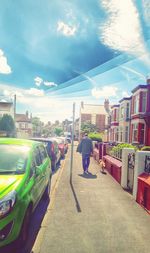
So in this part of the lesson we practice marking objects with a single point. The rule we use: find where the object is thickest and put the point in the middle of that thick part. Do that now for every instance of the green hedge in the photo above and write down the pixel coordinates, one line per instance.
(146, 148)
(95, 136)
(117, 150)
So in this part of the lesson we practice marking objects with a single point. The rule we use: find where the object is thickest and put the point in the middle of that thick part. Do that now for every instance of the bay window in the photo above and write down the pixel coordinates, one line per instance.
(135, 133)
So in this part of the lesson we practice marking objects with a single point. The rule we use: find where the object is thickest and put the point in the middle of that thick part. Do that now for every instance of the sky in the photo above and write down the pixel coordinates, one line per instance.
(54, 53)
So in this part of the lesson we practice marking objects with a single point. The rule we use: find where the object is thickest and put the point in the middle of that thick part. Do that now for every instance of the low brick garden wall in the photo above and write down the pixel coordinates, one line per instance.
(113, 166)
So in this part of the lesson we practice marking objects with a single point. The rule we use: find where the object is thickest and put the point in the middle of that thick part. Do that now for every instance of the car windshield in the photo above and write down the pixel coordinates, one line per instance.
(13, 159)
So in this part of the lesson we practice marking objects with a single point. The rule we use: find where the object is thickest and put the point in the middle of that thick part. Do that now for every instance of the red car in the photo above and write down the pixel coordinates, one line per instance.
(62, 145)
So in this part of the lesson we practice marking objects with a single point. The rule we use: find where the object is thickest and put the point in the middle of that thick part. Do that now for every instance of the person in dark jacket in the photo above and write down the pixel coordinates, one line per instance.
(85, 147)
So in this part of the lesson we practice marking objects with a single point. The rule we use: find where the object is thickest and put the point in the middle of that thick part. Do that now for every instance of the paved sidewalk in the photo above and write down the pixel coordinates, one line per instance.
(92, 215)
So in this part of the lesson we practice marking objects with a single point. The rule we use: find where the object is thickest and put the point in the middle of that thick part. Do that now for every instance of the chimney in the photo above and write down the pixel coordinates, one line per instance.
(27, 114)
(82, 104)
(106, 105)
(148, 81)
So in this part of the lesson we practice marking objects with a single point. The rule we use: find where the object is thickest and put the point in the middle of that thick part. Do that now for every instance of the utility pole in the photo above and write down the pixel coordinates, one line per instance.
(14, 106)
(72, 143)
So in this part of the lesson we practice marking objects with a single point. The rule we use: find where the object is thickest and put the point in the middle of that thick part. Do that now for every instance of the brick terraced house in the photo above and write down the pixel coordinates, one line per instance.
(130, 120)
(140, 115)
(95, 114)
(23, 125)
(114, 124)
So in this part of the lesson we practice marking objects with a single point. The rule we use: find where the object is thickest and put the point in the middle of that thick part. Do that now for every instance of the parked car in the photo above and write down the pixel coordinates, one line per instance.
(52, 150)
(65, 141)
(25, 176)
(61, 146)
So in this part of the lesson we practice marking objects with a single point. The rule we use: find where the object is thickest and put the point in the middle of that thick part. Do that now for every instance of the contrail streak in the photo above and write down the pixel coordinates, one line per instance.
(134, 71)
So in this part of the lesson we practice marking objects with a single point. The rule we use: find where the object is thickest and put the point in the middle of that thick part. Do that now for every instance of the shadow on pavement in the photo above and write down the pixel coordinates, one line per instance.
(88, 176)
(35, 225)
(103, 172)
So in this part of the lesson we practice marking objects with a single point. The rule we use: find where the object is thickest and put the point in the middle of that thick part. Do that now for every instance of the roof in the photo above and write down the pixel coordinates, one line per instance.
(125, 98)
(3, 101)
(145, 178)
(93, 109)
(141, 86)
(113, 106)
(22, 118)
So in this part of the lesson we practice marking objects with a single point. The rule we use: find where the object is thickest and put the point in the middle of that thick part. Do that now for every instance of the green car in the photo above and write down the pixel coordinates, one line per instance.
(25, 176)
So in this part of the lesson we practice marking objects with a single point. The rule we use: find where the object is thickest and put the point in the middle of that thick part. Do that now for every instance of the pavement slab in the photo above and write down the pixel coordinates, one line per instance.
(92, 214)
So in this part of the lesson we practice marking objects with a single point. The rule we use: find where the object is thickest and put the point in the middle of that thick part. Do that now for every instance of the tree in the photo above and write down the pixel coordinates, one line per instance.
(58, 131)
(37, 126)
(88, 127)
(7, 124)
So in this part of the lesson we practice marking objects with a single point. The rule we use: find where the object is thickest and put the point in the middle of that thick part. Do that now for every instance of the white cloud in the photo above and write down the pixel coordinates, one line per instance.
(122, 30)
(38, 81)
(34, 92)
(50, 84)
(4, 67)
(125, 94)
(47, 107)
(105, 92)
(65, 29)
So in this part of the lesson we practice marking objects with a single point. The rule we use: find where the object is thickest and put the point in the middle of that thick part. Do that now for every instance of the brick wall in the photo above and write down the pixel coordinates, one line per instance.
(100, 122)
(85, 117)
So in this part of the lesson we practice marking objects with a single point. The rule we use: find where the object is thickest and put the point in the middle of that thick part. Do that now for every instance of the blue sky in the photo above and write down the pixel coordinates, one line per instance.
(54, 53)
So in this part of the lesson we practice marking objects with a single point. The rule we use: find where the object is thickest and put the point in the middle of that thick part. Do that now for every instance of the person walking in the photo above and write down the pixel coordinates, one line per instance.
(85, 147)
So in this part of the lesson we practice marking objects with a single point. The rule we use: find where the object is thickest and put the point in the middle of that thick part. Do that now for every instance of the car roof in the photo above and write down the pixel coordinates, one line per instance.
(16, 141)
(41, 139)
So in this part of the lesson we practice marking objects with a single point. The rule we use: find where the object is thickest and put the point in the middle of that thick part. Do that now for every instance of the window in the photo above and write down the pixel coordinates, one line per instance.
(144, 100)
(116, 134)
(142, 133)
(126, 133)
(43, 153)
(136, 104)
(33, 166)
(122, 112)
(135, 133)
(121, 134)
(13, 158)
(127, 111)
(38, 157)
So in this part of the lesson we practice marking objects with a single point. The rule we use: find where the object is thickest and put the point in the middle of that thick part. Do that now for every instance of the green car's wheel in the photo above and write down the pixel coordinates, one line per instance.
(47, 190)
(22, 240)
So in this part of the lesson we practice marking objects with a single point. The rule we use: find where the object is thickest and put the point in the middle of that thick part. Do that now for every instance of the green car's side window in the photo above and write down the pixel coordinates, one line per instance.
(43, 153)
(33, 166)
(38, 159)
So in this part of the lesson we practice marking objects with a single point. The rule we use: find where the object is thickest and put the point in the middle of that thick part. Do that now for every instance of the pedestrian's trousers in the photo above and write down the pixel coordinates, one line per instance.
(85, 162)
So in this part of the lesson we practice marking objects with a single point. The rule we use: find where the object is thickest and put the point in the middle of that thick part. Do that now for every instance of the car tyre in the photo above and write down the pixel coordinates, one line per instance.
(22, 240)
(47, 190)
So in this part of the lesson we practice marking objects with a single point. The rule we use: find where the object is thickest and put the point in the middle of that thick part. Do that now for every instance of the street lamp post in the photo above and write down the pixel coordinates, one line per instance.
(72, 143)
